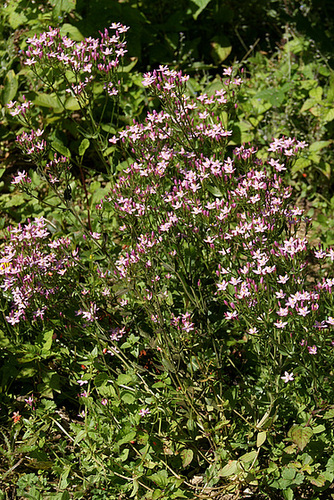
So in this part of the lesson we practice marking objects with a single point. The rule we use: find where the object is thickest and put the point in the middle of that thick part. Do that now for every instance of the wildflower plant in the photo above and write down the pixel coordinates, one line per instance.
(207, 315)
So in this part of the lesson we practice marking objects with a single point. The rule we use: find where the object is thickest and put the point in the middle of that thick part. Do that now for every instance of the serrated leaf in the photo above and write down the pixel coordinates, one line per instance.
(301, 436)
(10, 87)
(261, 437)
(84, 145)
(187, 456)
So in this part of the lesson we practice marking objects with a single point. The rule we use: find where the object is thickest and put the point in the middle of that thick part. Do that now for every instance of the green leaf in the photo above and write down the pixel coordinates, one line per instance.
(160, 478)
(215, 191)
(84, 145)
(60, 148)
(300, 164)
(248, 457)
(231, 468)
(301, 436)
(318, 481)
(80, 436)
(274, 96)
(128, 398)
(187, 457)
(316, 93)
(72, 32)
(221, 48)
(124, 379)
(201, 4)
(17, 19)
(127, 438)
(329, 414)
(329, 115)
(308, 105)
(72, 104)
(47, 340)
(10, 87)
(288, 494)
(318, 429)
(261, 437)
(318, 145)
(48, 101)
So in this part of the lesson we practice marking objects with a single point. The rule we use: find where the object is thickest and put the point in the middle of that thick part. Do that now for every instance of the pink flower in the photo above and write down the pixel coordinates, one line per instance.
(287, 377)
(312, 350)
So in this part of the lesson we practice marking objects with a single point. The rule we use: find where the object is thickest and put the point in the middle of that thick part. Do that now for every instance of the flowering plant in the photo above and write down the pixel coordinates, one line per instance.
(207, 314)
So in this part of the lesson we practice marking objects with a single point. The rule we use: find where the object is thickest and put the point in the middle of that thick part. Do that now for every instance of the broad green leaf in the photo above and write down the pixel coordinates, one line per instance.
(261, 437)
(201, 4)
(329, 415)
(329, 115)
(301, 436)
(124, 379)
(47, 101)
(318, 429)
(274, 96)
(187, 456)
(60, 148)
(72, 32)
(318, 481)
(300, 164)
(316, 93)
(84, 145)
(10, 87)
(229, 469)
(17, 19)
(47, 340)
(318, 145)
(80, 436)
(160, 478)
(221, 48)
(308, 105)
(127, 438)
(248, 457)
(288, 473)
(128, 398)
(72, 104)
(288, 494)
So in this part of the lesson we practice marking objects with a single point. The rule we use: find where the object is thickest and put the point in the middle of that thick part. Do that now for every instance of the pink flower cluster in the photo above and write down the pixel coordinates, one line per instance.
(38, 273)
(86, 59)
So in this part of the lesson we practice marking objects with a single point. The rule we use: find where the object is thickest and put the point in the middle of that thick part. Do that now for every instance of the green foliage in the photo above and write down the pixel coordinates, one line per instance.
(106, 397)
